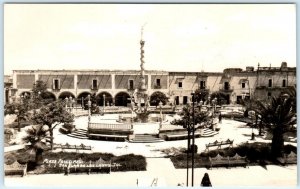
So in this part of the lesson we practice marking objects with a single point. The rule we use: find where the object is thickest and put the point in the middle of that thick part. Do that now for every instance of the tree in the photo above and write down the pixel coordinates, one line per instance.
(201, 94)
(221, 97)
(37, 136)
(186, 120)
(40, 95)
(94, 103)
(278, 115)
(21, 110)
(52, 115)
(157, 97)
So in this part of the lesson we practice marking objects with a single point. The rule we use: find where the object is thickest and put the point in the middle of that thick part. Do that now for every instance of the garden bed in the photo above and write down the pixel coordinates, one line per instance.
(129, 162)
(256, 153)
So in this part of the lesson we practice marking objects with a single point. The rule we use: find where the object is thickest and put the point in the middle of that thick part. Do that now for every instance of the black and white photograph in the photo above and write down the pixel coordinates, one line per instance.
(149, 95)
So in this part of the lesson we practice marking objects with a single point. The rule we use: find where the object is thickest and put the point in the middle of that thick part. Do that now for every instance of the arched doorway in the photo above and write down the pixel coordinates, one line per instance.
(48, 96)
(157, 97)
(81, 98)
(65, 94)
(108, 98)
(122, 99)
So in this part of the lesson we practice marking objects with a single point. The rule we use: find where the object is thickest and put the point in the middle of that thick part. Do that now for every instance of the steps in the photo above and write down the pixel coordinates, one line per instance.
(144, 138)
(79, 133)
(208, 133)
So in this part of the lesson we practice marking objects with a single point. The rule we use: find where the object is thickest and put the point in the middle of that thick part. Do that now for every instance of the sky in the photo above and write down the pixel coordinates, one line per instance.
(190, 37)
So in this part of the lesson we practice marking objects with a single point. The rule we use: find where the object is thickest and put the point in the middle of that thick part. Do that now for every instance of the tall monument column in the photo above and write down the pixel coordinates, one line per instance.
(142, 76)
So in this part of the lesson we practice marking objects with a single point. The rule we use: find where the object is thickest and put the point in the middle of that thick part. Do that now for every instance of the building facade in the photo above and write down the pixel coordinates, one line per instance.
(116, 87)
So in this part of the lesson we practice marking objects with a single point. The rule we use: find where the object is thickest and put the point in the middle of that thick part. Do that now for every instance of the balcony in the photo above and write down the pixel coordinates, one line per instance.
(130, 88)
(204, 90)
(157, 87)
(226, 89)
(94, 88)
(55, 89)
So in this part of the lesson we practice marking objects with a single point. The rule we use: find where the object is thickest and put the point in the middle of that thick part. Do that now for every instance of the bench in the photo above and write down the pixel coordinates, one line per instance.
(238, 160)
(228, 161)
(108, 137)
(15, 168)
(219, 161)
(180, 136)
(290, 158)
(103, 126)
(219, 144)
(75, 147)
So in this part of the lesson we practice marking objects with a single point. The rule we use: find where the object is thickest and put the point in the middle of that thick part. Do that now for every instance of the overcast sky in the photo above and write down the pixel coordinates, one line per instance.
(178, 37)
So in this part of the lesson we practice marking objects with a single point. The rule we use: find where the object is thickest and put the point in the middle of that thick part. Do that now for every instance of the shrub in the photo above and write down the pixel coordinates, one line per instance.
(67, 128)
(128, 162)
(290, 148)
(9, 159)
(256, 153)
(193, 148)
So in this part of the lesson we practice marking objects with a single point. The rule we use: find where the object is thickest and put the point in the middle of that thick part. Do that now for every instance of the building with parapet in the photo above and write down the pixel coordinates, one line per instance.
(118, 85)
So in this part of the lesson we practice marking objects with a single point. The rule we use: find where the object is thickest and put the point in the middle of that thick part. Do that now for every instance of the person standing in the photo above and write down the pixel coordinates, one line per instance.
(206, 181)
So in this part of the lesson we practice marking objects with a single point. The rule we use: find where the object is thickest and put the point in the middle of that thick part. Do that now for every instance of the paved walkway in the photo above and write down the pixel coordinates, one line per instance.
(167, 175)
(162, 168)
(13, 148)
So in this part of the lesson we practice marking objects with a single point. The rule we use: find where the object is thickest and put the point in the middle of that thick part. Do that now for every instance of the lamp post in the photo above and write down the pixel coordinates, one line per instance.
(215, 105)
(73, 104)
(82, 103)
(200, 105)
(103, 102)
(18, 116)
(132, 109)
(70, 104)
(253, 135)
(89, 108)
(160, 106)
(208, 99)
(193, 136)
(187, 152)
(66, 99)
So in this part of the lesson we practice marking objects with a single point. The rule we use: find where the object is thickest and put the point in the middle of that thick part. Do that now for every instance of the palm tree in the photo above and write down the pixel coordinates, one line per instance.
(279, 116)
(38, 137)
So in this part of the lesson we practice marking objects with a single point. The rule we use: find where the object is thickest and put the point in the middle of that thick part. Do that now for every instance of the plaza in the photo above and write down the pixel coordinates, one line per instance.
(141, 95)
(160, 166)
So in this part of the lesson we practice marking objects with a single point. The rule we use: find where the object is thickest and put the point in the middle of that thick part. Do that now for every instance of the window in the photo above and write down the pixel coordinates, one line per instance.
(185, 99)
(56, 84)
(270, 82)
(202, 84)
(284, 83)
(158, 82)
(130, 84)
(179, 84)
(243, 85)
(226, 85)
(95, 84)
(177, 100)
